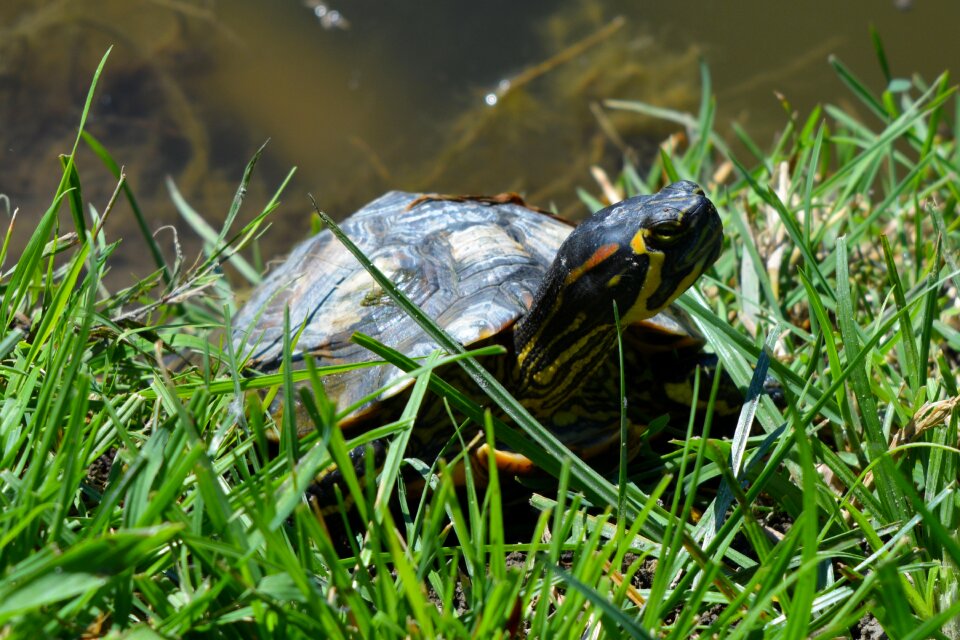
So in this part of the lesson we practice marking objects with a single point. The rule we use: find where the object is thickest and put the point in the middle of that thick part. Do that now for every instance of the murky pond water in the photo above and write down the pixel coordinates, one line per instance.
(364, 96)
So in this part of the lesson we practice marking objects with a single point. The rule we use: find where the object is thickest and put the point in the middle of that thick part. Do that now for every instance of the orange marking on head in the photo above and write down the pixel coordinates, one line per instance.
(601, 254)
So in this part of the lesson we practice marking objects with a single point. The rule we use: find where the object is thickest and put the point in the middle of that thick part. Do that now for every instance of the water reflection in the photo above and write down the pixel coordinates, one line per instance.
(329, 18)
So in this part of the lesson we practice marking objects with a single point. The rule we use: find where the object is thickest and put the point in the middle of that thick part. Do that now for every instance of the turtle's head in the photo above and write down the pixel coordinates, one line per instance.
(641, 253)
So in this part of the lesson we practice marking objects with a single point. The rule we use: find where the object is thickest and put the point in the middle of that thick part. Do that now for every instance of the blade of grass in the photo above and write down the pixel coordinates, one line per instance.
(915, 374)
(876, 442)
(108, 161)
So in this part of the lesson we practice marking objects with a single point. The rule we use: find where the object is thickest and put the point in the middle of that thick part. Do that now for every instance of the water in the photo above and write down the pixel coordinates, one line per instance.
(407, 96)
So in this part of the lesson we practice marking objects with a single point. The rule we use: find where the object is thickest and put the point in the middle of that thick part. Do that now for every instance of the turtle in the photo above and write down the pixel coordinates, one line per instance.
(493, 270)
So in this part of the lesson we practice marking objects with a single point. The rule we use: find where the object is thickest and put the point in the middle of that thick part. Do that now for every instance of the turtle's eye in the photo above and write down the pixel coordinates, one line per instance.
(668, 232)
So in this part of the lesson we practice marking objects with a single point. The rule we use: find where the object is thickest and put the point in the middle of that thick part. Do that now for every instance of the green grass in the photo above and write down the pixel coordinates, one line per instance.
(840, 507)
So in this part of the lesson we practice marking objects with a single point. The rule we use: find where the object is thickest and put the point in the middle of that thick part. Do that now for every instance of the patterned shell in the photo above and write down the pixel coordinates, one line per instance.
(472, 266)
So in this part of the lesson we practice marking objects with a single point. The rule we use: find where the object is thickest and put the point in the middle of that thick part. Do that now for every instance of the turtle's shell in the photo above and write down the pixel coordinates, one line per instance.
(472, 265)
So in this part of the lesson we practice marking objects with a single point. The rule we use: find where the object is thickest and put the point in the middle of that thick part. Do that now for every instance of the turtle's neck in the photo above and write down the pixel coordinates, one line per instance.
(558, 351)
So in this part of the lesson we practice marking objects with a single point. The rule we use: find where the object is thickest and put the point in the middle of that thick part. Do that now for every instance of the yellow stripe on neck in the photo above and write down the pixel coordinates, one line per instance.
(639, 311)
(637, 243)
